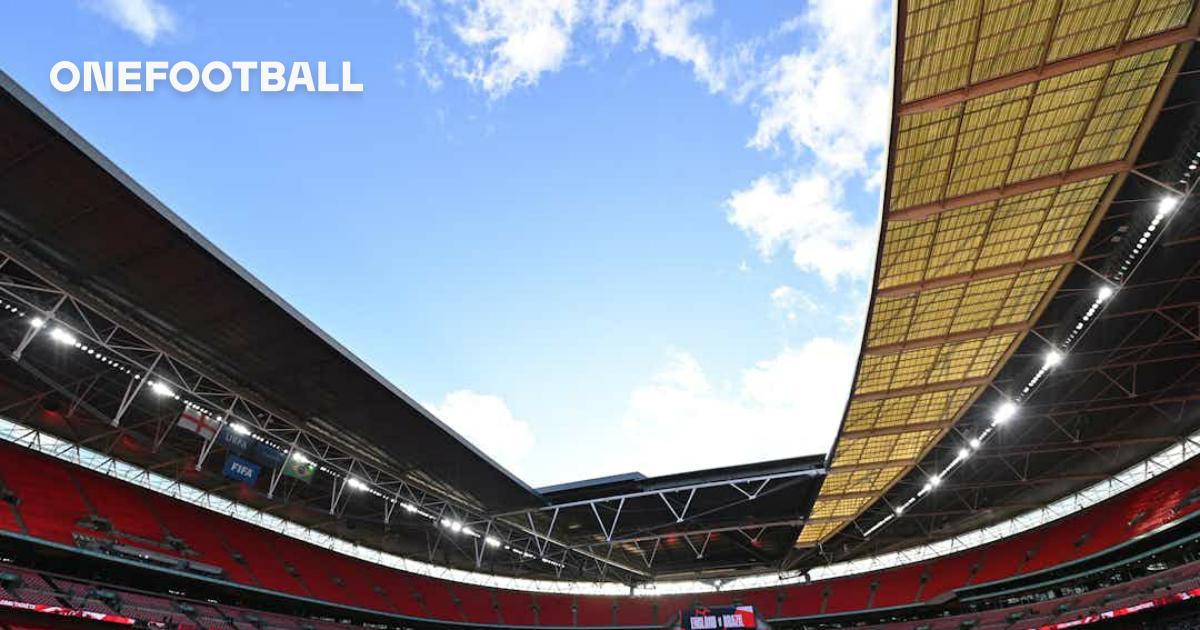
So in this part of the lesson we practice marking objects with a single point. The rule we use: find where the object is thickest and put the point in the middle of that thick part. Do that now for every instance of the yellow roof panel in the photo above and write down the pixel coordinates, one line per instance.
(865, 480)
(839, 507)
(889, 413)
(988, 235)
(963, 273)
(1078, 119)
(947, 363)
(815, 532)
(880, 449)
(950, 44)
(958, 309)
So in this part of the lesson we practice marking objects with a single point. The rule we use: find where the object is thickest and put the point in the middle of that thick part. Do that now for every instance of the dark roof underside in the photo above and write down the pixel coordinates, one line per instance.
(65, 206)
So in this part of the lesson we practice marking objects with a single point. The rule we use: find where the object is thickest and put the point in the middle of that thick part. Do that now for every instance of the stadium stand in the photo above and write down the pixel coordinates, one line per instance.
(285, 565)
(991, 232)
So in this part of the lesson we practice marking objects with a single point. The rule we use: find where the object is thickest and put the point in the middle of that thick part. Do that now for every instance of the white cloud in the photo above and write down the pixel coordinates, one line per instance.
(667, 26)
(501, 45)
(804, 216)
(494, 45)
(148, 19)
(792, 303)
(487, 422)
(832, 99)
(785, 406)
(512, 42)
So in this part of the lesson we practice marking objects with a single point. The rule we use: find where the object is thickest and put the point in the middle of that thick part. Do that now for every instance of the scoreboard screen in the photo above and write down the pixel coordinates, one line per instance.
(706, 618)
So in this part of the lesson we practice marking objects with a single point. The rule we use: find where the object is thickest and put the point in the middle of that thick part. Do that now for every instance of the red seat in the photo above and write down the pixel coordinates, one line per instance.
(8, 518)
(949, 573)
(476, 603)
(50, 504)
(635, 611)
(191, 525)
(255, 548)
(555, 609)
(312, 569)
(438, 601)
(852, 593)
(399, 589)
(122, 504)
(1003, 559)
(594, 611)
(516, 607)
(1060, 542)
(765, 601)
(899, 586)
(801, 600)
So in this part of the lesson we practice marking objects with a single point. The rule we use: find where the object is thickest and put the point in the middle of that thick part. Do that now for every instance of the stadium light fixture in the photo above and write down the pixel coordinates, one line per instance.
(1004, 413)
(64, 337)
(37, 322)
(491, 541)
(935, 481)
(159, 388)
(239, 428)
(1053, 358)
(408, 507)
(356, 483)
(301, 457)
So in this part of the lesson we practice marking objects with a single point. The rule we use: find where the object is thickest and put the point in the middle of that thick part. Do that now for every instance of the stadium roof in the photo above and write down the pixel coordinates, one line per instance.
(65, 205)
(88, 250)
(1014, 126)
(1025, 135)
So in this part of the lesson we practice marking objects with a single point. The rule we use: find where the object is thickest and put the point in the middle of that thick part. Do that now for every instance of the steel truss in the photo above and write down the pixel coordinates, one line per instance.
(678, 516)
(135, 354)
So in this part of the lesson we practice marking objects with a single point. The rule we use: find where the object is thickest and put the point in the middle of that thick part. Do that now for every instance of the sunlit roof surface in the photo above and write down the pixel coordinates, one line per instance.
(1015, 120)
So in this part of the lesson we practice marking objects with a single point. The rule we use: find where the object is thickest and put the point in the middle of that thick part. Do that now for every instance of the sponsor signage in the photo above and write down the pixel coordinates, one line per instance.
(239, 469)
(718, 618)
(234, 441)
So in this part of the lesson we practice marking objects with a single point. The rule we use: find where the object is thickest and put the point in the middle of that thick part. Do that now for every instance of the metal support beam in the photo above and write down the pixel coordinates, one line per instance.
(1050, 70)
(1074, 176)
(988, 273)
(923, 389)
(134, 388)
(33, 330)
(902, 428)
(929, 342)
(610, 528)
(643, 538)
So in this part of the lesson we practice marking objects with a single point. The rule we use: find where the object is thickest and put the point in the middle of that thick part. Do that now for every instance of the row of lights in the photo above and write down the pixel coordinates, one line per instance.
(161, 389)
(1009, 409)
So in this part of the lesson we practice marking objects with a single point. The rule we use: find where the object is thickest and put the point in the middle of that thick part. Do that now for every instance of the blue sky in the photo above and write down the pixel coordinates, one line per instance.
(593, 237)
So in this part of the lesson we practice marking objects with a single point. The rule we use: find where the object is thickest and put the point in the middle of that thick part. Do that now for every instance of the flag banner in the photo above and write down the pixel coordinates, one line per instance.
(268, 455)
(297, 469)
(239, 469)
(201, 424)
(234, 441)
